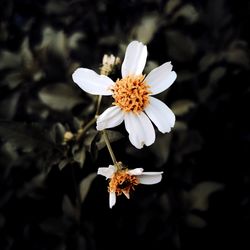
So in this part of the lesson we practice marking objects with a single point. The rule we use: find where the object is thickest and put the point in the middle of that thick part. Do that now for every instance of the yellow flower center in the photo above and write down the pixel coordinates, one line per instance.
(131, 93)
(122, 182)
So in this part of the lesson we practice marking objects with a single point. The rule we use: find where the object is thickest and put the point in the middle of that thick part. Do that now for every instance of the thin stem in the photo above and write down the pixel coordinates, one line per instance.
(106, 139)
(86, 127)
(89, 124)
(93, 120)
(105, 135)
(98, 104)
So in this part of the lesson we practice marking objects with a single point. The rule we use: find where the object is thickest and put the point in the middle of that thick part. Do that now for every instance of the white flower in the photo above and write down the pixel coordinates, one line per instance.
(123, 180)
(133, 96)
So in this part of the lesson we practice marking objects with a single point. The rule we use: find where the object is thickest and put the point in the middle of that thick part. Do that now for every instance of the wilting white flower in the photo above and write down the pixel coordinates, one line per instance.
(133, 96)
(122, 181)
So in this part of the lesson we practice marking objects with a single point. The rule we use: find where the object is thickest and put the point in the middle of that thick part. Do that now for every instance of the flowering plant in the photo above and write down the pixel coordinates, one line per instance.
(135, 105)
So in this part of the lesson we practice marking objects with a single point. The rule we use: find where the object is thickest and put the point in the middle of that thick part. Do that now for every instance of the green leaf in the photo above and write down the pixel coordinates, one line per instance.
(25, 136)
(13, 79)
(63, 163)
(93, 147)
(54, 226)
(188, 141)
(68, 208)
(29, 188)
(9, 60)
(161, 148)
(85, 185)
(57, 133)
(182, 107)
(217, 74)
(60, 96)
(180, 47)
(199, 195)
(146, 28)
(33, 140)
(180, 126)
(188, 13)
(238, 55)
(171, 5)
(10, 102)
(195, 221)
(74, 40)
(208, 60)
(89, 137)
(112, 135)
(79, 154)
(55, 41)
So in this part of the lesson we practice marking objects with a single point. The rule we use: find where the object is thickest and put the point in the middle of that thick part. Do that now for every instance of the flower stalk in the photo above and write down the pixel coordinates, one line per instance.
(98, 105)
(111, 152)
(133, 104)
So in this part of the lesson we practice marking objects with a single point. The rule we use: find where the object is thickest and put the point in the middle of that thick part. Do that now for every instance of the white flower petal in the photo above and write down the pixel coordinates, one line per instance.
(152, 173)
(140, 129)
(107, 172)
(135, 59)
(110, 118)
(161, 78)
(112, 199)
(160, 114)
(136, 171)
(149, 179)
(126, 194)
(91, 82)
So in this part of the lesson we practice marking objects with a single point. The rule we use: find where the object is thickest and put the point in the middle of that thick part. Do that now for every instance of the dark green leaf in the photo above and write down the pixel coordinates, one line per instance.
(85, 185)
(79, 154)
(25, 136)
(180, 47)
(57, 133)
(112, 135)
(60, 96)
(199, 195)
(181, 107)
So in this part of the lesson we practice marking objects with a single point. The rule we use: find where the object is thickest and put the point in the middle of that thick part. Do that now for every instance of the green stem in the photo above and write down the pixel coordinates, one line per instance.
(105, 135)
(93, 120)
(86, 127)
(98, 106)
(106, 139)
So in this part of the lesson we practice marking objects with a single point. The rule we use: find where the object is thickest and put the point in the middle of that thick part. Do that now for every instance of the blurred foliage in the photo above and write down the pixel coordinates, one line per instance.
(50, 196)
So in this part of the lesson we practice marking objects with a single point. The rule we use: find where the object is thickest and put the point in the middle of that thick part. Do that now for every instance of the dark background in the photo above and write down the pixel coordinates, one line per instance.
(50, 196)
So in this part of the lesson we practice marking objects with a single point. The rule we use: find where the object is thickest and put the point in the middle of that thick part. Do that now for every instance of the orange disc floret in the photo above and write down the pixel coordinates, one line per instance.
(122, 182)
(131, 93)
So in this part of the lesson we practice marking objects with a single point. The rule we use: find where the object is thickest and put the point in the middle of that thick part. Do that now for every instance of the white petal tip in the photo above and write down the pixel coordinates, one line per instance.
(110, 118)
(91, 82)
(150, 178)
(77, 74)
(139, 146)
(174, 75)
(126, 194)
(106, 172)
(112, 199)
(100, 127)
(135, 59)
(149, 144)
